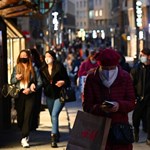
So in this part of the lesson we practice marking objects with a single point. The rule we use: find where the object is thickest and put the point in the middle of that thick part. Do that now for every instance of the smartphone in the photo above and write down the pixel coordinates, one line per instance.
(108, 104)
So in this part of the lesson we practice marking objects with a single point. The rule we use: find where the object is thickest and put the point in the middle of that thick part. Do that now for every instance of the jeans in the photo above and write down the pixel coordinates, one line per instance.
(54, 107)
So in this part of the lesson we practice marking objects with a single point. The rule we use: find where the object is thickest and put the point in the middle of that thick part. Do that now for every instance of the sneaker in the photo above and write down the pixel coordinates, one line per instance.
(24, 142)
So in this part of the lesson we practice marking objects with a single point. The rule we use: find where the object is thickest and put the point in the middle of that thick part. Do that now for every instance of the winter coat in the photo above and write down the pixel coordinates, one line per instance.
(36, 80)
(141, 81)
(58, 73)
(121, 91)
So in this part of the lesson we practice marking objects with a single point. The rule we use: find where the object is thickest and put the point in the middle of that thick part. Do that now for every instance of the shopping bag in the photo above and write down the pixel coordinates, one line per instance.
(89, 132)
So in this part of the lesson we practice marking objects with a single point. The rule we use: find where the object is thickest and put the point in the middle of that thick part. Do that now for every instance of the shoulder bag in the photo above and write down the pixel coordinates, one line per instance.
(121, 133)
(10, 90)
(67, 94)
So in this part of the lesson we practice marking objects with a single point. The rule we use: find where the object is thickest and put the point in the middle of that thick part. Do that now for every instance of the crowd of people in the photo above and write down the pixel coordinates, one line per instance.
(99, 75)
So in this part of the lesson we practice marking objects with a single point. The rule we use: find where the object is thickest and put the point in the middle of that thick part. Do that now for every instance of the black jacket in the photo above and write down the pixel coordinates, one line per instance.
(141, 81)
(58, 73)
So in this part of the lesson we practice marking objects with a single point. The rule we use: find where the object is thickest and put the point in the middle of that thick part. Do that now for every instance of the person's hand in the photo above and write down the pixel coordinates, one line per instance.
(26, 91)
(32, 87)
(89, 71)
(115, 108)
(19, 76)
(107, 109)
(60, 83)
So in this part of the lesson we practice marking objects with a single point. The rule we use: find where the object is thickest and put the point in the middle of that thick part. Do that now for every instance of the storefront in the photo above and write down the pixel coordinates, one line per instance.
(15, 43)
(11, 42)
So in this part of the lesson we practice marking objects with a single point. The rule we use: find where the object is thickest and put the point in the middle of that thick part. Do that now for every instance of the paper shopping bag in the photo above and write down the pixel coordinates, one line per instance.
(89, 132)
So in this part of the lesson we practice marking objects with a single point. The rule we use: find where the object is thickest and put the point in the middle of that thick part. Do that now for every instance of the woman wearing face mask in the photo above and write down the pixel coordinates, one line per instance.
(54, 76)
(141, 80)
(86, 67)
(109, 82)
(28, 80)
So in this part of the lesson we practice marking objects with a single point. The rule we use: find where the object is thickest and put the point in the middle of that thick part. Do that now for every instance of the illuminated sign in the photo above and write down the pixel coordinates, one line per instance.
(55, 20)
(139, 13)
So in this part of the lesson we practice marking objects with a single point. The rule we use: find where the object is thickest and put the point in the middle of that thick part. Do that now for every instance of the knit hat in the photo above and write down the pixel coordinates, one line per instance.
(108, 57)
(52, 53)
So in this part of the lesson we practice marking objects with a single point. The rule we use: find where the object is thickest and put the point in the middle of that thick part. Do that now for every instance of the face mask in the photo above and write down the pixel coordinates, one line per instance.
(93, 61)
(48, 60)
(24, 60)
(143, 59)
(108, 74)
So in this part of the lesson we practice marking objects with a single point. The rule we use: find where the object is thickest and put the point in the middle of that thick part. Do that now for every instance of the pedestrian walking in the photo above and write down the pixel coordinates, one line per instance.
(54, 76)
(27, 78)
(141, 80)
(86, 67)
(109, 82)
(37, 62)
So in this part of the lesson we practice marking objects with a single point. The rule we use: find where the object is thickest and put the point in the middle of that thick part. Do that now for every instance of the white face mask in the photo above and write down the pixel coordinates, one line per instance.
(108, 74)
(143, 59)
(48, 60)
(93, 61)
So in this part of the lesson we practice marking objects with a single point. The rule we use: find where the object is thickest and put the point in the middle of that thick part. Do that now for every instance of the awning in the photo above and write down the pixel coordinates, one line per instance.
(12, 31)
(13, 8)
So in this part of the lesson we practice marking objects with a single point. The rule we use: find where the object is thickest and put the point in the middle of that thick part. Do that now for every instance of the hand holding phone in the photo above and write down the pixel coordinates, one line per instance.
(108, 104)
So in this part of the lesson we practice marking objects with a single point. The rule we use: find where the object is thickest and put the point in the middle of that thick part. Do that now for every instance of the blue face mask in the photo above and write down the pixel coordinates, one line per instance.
(143, 59)
(108, 74)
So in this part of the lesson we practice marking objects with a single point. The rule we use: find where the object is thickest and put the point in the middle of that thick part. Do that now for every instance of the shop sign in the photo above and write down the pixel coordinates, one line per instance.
(139, 13)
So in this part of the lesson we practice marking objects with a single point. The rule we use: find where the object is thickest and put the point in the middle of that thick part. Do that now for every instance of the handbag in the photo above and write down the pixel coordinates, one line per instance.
(121, 133)
(67, 94)
(89, 132)
(10, 90)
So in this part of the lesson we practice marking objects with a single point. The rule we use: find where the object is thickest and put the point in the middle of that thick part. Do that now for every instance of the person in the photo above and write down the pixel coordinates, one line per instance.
(125, 65)
(54, 77)
(109, 82)
(86, 67)
(28, 80)
(36, 61)
(140, 74)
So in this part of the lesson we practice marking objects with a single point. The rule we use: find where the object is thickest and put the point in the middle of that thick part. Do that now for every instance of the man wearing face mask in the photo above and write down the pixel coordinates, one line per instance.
(141, 80)
(109, 82)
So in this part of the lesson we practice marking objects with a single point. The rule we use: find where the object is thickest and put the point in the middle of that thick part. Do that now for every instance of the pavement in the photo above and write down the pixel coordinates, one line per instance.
(40, 139)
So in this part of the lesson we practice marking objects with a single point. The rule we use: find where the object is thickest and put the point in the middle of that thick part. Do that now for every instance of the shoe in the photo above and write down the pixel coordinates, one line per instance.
(54, 140)
(24, 142)
(148, 142)
(136, 137)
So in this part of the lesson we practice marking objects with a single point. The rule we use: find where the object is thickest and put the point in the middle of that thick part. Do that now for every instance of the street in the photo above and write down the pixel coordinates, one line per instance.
(40, 139)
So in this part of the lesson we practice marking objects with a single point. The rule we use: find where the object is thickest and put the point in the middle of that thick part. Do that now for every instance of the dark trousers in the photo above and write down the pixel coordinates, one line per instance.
(140, 114)
(36, 110)
(148, 121)
(24, 107)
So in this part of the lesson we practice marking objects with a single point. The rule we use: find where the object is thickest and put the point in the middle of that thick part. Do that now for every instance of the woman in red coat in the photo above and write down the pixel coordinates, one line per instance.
(110, 82)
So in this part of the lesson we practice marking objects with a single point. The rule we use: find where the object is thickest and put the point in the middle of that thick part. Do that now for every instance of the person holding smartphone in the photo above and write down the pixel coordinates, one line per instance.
(109, 92)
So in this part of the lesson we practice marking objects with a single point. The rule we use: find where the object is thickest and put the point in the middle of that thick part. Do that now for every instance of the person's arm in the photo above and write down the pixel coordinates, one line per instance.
(89, 103)
(128, 103)
(82, 70)
(64, 75)
(13, 79)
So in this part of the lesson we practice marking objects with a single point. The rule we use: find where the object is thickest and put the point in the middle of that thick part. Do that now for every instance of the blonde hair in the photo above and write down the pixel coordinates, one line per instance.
(20, 69)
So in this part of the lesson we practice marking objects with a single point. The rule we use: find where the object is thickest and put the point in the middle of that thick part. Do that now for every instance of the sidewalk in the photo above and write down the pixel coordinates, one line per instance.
(40, 139)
